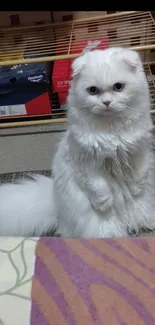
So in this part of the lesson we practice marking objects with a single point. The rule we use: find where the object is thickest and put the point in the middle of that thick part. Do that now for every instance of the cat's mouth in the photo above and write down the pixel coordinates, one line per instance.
(108, 111)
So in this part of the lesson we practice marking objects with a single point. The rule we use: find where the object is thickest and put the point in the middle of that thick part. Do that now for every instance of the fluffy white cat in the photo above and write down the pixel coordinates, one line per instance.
(103, 174)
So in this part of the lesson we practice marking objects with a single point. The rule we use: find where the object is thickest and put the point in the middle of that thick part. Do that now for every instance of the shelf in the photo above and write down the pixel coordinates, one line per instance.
(51, 42)
(31, 123)
(59, 116)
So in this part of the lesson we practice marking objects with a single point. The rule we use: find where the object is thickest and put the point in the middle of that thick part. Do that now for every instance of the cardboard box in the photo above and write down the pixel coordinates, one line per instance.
(59, 16)
(22, 18)
(61, 76)
(24, 90)
(25, 101)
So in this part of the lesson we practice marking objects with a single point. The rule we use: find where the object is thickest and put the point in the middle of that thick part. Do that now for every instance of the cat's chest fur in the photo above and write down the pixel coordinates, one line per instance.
(117, 156)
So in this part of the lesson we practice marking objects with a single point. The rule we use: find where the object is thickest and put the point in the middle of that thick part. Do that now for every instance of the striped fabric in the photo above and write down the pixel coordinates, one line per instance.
(53, 281)
(79, 282)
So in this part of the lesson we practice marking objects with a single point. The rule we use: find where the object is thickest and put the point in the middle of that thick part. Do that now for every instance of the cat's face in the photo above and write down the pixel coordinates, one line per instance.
(108, 83)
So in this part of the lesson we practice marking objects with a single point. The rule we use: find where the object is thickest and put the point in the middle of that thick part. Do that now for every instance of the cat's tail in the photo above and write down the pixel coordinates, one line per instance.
(27, 207)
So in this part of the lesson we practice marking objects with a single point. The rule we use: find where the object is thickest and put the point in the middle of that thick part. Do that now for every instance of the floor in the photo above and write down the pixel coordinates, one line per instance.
(11, 177)
(29, 148)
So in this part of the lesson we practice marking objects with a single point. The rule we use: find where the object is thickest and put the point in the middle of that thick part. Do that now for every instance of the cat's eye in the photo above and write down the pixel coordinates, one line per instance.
(118, 86)
(93, 90)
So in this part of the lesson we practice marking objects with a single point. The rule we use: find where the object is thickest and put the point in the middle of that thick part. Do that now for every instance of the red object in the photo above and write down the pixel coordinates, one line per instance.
(61, 75)
(62, 68)
(28, 94)
(39, 105)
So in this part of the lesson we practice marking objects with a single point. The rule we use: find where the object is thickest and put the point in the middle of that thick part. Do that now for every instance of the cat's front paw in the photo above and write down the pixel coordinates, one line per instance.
(103, 205)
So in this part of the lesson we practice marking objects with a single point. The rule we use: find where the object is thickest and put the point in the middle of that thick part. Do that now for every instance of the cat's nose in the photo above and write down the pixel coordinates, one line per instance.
(107, 103)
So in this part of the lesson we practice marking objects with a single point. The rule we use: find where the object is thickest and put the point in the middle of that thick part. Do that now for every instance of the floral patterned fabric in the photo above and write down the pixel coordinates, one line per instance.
(77, 282)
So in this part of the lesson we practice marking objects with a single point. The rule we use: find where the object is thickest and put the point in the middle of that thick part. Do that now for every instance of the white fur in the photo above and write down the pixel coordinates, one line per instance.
(26, 208)
(103, 170)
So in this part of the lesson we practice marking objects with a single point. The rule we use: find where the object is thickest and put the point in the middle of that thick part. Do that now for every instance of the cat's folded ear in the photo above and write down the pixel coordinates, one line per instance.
(78, 65)
(132, 59)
